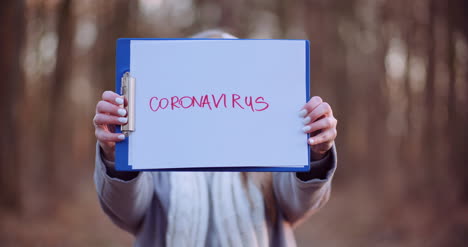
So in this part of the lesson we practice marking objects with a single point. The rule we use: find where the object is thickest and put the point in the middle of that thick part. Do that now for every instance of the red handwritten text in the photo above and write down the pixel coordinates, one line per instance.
(210, 102)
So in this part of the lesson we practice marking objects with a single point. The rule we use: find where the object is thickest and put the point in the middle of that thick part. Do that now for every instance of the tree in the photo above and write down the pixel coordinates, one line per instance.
(12, 35)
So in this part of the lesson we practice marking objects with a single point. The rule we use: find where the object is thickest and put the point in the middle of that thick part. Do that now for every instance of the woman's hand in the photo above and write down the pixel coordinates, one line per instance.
(321, 124)
(109, 112)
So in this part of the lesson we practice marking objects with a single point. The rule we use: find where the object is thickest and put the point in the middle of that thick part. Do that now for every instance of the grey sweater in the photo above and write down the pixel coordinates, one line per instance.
(140, 205)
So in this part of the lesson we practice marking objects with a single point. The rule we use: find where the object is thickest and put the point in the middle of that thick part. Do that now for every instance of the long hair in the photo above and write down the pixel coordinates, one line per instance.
(263, 180)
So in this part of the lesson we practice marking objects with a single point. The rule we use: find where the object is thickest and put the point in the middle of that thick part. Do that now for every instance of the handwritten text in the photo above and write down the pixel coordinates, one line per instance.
(209, 101)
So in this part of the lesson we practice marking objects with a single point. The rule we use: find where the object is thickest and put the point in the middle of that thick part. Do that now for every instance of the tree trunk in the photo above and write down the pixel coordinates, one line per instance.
(427, 140)
(59, 132)
(12, 35)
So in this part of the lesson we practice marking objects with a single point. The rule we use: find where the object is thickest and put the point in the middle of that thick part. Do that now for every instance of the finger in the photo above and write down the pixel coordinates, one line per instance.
(323, 137)
(114, 98)
(322, 110)
(106, 107)
(105, 136)
(104, 119)
(310, 106)
(322, 124)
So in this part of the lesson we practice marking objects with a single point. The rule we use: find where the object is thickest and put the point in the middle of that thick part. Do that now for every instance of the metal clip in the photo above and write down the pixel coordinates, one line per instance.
(127, 89)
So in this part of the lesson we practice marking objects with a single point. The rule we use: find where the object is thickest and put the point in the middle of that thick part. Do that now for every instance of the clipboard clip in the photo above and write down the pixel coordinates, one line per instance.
(127, 89)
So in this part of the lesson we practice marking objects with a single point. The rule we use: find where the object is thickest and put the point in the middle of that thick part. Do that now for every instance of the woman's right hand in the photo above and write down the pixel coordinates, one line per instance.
(109, 112)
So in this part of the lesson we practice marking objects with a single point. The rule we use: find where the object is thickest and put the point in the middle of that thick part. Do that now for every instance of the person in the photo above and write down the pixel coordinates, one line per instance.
(213, 208)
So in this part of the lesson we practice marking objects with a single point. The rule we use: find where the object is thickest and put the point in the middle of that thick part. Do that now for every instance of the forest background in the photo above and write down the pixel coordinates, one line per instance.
(394, 71)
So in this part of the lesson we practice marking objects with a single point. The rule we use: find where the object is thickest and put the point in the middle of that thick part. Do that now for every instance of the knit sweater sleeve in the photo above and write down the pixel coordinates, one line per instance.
(301, 194)
(124, 201)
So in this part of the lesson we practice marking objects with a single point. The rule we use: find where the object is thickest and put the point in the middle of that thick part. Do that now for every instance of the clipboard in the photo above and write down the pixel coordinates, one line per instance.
(126, 84)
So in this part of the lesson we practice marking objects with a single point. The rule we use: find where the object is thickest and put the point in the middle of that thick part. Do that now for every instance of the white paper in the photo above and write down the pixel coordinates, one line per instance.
(224, 136)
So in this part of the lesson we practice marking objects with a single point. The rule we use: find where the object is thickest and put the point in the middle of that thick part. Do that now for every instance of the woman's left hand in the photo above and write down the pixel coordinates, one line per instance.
(321, 124)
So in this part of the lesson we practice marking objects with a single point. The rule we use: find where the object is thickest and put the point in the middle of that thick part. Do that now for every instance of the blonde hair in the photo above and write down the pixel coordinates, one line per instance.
(213, 34)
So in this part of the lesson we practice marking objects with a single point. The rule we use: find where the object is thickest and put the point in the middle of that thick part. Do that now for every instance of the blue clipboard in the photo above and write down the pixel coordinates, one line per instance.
(121, 148)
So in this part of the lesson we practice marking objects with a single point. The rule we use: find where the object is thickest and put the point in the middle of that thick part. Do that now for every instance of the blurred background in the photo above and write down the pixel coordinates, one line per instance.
(394, 71)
